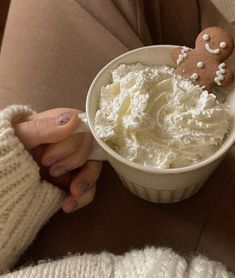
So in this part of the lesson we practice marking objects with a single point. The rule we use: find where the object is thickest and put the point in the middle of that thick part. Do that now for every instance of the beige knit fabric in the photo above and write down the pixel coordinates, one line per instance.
(26, 203)
(147, 263)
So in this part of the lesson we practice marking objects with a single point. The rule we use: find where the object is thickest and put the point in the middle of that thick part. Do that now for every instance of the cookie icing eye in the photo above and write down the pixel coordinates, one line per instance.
(223, 44)
(205, 37)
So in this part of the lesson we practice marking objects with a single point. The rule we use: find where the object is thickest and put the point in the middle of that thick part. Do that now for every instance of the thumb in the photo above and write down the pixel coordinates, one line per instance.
(46, 130)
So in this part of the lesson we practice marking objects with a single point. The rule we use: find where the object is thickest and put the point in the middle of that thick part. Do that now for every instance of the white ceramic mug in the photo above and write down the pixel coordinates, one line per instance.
(153, 184)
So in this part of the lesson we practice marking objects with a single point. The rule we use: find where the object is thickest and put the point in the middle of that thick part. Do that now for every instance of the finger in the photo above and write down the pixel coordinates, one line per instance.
(77, 159)
(71, 203)
(87, 176)
(52, 113)
(61, 150)
(46, 130)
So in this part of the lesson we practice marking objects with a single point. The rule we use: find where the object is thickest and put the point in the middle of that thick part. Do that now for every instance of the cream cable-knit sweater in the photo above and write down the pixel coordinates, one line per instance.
(26, 203)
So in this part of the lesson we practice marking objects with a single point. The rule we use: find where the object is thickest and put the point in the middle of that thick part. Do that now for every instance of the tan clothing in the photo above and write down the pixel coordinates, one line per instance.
(54, 49)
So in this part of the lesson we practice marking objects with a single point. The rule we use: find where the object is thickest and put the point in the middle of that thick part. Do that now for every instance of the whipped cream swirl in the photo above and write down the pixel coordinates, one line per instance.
(153, 117)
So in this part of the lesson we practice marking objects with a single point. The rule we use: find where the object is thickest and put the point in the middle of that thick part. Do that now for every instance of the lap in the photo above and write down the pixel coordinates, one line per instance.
(51, 52)
(53, 49)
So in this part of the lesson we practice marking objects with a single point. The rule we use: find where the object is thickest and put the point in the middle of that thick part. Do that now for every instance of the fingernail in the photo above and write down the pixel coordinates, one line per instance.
(64, 118)
(50, 160)
(58, 171)
(83, 186)
(71, 206)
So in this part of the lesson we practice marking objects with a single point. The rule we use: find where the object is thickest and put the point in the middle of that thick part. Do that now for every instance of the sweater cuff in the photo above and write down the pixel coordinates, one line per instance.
(203, 267)
(26, 202)
(149, 262)
(163, 261)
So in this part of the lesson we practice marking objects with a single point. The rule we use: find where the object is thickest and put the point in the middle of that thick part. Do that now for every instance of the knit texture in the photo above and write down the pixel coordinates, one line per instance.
(147, 263)
(26, 202)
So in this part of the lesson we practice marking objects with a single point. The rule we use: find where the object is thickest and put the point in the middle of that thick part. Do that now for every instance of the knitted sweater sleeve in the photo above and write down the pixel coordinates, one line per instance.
(26, 202)
(146, 263)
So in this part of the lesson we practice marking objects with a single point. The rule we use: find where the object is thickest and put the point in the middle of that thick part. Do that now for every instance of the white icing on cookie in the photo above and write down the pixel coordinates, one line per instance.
(223, 44)
(200, 65)
(206, 37)
(182, 55)
(220, 74)
(212, 51)
(194, 76)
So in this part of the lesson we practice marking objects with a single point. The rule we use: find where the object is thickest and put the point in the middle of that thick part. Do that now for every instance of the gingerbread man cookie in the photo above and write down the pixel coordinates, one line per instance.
(204, 65)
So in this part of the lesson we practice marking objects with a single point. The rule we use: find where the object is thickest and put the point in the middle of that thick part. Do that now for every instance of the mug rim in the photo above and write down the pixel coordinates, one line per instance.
(154, 170)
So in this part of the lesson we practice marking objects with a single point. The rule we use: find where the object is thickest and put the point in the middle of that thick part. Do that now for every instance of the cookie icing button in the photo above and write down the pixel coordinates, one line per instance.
(194, 76)
(220, 74)
(200, 65)
(182, 55)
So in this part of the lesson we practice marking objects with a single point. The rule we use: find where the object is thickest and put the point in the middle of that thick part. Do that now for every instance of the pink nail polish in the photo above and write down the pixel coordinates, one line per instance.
(64, 118)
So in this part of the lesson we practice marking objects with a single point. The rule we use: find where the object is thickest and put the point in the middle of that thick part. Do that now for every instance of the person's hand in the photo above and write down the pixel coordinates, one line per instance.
(49, 137)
